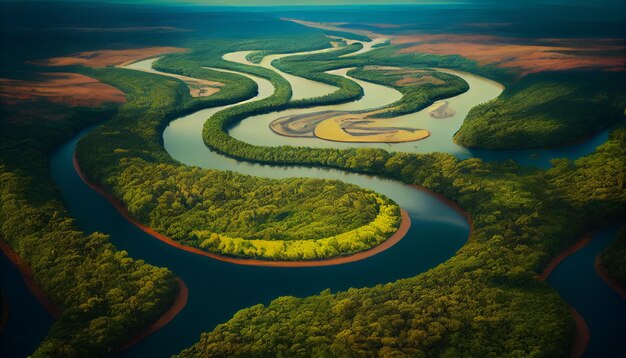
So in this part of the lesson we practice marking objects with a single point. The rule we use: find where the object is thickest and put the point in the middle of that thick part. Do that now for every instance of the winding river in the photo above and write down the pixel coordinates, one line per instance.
(218, 289)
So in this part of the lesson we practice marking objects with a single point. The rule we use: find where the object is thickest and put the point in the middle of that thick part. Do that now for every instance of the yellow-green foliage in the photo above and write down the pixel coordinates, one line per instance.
(359, 239)
(240, 215)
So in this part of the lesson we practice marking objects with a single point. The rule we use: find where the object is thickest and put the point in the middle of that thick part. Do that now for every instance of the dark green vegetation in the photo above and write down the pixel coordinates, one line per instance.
(547, 109)
(104, 296)
(613, 258)
(289, 219)
(484, 301)
(419, 90)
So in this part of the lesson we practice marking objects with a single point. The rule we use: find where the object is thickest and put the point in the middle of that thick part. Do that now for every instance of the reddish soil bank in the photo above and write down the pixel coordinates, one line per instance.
(608, 279)
(395, 238)
(582, 331)
(173, 311)
(29, 279)
(451, 203)
(563, 255)
(582, 335)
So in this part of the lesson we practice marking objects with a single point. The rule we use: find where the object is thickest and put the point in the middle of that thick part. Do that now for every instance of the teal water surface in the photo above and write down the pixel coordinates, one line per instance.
(218, 289)
(603, 309)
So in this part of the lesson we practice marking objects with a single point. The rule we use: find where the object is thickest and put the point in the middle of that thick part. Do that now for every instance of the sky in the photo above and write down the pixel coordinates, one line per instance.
(593, 3)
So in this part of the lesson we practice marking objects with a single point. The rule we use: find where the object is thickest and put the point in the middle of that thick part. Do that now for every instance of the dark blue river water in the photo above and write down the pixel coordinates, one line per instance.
(217, 289)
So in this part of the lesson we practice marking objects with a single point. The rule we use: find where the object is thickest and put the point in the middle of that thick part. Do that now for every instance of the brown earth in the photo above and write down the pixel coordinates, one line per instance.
(413, 81)
(103, 58)
(541, 55)
(60, 87)
(528, 56)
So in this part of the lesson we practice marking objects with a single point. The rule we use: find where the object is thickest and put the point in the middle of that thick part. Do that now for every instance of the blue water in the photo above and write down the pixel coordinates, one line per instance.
(28, 322)
(602, 308)
(218, 289)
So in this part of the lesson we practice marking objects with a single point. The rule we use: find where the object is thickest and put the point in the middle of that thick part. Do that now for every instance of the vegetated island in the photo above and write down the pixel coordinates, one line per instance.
(398, 235)
(341, 126)
(288, 219)
(420, 88)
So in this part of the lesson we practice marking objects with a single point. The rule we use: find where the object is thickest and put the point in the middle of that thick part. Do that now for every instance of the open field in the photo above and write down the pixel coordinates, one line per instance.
(103, 58)
(60, 87)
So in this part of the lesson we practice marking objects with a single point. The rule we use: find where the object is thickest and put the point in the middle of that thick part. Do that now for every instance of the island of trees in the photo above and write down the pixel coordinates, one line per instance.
(484, 301)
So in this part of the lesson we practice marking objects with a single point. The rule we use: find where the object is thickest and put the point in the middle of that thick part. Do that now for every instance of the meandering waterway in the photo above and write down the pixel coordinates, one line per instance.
(218, 289)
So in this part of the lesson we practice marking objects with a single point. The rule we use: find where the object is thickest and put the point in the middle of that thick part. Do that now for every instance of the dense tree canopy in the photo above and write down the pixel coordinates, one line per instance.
(546, 109)
(104, 295)
(420, 89)
(613, 258)
(484, 301)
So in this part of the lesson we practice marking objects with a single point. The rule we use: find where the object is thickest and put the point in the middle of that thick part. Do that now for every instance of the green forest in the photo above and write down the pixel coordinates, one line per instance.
(239, 215)
(484, 301)
(423, 88)
(613, 258)
(290, 219)
(547, 109)
(104, 296)
(519, 225)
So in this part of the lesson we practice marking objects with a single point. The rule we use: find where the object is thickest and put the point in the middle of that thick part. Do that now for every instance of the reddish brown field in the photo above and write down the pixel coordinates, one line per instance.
(60, 87)
(543, 55)
(103, 58)
(525, 55)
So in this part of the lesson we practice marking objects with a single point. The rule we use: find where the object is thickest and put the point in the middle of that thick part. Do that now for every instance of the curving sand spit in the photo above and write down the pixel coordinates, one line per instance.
(342, 126)
(582, 335)
(354, 128)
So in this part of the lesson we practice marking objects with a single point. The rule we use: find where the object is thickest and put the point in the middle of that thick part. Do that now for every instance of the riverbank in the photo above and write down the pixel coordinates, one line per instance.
(179, 303)
(608, 279)
(582, 330)
(563, 255)
(451, 203)
(29, 279)
(582, 335)
(405, 224)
